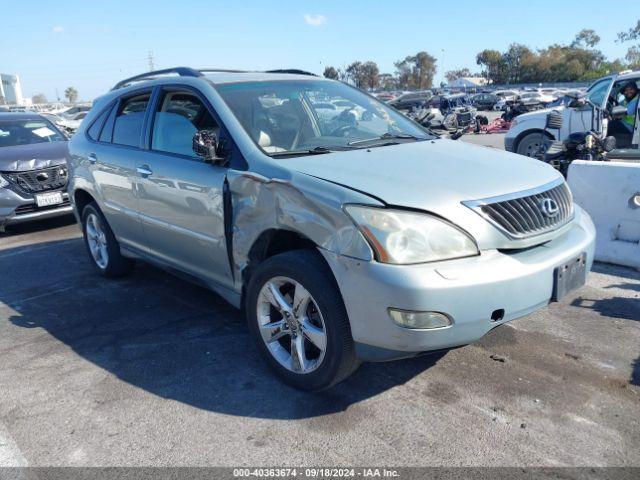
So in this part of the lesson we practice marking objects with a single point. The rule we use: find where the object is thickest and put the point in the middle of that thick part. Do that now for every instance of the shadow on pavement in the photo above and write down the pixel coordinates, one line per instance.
(168, 337)
(38, 226)
(616, 307)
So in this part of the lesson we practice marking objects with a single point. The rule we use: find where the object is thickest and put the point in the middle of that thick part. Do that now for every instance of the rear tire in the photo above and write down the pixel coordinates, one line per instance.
(101, 244)
(328, 351)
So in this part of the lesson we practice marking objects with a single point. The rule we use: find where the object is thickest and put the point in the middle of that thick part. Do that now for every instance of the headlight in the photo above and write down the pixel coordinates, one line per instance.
(402, 237)
(3, 182)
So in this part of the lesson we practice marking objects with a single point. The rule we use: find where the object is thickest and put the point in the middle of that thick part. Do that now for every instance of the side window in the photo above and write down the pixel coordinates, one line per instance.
(96, 126)
(127, 127)
(598, 92)
(179, 116)
(107, 131)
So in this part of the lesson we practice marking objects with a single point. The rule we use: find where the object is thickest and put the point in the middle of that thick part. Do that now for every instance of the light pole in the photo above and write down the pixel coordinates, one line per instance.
(443, 77)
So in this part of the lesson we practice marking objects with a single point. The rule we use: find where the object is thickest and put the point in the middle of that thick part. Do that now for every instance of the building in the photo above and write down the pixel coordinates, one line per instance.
(468, 82)
(10, 90)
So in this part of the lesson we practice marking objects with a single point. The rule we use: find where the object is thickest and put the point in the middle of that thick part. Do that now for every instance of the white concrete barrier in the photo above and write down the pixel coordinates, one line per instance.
(610, 193)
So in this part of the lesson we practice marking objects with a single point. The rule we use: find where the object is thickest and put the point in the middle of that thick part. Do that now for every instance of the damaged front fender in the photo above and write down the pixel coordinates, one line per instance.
(299, 203)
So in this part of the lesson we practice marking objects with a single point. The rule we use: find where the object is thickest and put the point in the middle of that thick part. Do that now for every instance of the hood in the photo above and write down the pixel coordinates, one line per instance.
(31, 157)
(435, 176)
(536, 114)
(429, 175)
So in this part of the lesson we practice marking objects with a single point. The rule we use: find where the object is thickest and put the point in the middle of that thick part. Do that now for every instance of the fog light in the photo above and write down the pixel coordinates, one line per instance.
(421, 320)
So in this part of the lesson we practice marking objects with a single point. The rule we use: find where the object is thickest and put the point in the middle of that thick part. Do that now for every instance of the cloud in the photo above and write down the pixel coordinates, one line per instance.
(57, 29)
(315, 20)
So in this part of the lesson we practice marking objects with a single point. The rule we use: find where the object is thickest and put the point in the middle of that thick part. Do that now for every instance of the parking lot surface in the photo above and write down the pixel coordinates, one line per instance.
(151, 370)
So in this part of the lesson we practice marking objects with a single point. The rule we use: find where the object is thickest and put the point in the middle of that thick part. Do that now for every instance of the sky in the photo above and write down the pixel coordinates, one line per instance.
(92, 44)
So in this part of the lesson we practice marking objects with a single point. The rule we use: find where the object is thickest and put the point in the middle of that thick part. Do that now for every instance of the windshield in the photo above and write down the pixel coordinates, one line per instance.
(299, 116)
(26, 132)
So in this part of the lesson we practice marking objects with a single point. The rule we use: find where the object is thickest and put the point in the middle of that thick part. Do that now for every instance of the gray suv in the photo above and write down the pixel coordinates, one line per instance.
(345, 231)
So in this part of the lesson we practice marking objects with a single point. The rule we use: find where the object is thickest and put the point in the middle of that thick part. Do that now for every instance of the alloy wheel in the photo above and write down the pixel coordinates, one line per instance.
(97, 240)
(291, 325)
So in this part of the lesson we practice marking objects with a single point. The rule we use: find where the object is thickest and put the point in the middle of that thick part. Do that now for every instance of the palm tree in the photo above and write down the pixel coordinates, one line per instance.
(71, 94)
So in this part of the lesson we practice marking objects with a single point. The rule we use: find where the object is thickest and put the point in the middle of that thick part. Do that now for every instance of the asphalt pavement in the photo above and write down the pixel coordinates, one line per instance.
(152, 370)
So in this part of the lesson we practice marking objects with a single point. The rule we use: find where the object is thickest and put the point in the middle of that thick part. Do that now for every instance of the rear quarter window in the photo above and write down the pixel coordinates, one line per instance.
(96, 127)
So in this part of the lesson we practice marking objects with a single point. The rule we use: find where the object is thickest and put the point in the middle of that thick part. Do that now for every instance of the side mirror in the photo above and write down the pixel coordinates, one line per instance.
(367, 116)
(618, 112)
(205, 145)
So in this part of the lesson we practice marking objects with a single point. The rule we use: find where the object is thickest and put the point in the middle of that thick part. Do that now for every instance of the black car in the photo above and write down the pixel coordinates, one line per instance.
(411, 100)
(33, 169)
(485, 101)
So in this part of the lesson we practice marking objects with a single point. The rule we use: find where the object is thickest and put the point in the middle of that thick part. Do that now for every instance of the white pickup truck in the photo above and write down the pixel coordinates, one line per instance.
(527, 132)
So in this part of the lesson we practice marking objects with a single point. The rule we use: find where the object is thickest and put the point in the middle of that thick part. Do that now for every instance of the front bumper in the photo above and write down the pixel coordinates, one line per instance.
(16, 208)
(468, 290)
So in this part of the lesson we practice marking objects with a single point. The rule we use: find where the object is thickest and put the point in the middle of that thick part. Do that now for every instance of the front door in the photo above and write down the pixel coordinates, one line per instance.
(179, 195)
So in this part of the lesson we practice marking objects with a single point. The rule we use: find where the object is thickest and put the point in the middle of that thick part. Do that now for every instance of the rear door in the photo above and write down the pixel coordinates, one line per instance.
(180, 196)
(112, 158)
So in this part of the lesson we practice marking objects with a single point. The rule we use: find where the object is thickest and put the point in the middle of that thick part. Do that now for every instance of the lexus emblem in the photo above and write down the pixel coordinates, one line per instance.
(42, 176)
(549, 207)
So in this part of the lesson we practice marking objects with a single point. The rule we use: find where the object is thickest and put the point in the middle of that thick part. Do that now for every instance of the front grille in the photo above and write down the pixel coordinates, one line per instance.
(530, 214)
(41, 180)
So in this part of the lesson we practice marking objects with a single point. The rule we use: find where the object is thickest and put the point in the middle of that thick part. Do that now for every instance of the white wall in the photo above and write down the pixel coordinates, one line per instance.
(607, 190)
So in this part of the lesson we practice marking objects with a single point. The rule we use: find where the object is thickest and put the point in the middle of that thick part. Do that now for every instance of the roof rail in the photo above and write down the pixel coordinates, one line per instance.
(182, 71)
(293, 71)
(221, 70)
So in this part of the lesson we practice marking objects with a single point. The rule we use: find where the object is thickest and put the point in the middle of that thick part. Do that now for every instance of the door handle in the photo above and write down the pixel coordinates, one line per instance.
(144, 170)
(92, 158)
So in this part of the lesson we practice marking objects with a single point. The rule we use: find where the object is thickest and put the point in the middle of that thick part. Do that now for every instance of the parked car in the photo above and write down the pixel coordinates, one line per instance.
(344, 238)
(69, 113)
(33, 171)
(72, 122)
(450, 112)
(410, 100)
(527, 133)
(485, 101)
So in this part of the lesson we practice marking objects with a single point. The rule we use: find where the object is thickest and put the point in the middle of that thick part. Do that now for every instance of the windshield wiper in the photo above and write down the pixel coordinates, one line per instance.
(299, 153)
(387, 136)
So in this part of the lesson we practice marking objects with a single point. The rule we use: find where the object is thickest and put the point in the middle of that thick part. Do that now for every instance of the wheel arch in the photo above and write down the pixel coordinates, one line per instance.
(81, 198)
(272, 242)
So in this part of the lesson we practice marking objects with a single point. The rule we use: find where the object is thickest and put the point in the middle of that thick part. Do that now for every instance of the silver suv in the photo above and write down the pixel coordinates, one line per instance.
(345, 231)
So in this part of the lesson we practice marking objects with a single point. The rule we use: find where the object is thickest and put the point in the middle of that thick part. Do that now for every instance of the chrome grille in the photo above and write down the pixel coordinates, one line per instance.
(41, 180)
(529, 213)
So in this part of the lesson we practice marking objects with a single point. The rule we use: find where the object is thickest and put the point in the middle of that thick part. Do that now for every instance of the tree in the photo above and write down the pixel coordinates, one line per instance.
(633, 56)
(388, 81)
(633, 53)
(71, 94)
(39, 98)
(630, 35)
(586, 38)
(371, 74)
(330, 72)
(416, 71)
(493, 66)
(556, 63)
(355, 74)
(452, 75)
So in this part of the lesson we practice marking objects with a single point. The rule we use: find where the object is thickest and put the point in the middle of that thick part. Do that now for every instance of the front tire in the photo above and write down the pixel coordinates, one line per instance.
(533, 144)
(297, 318)
(101, 244)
